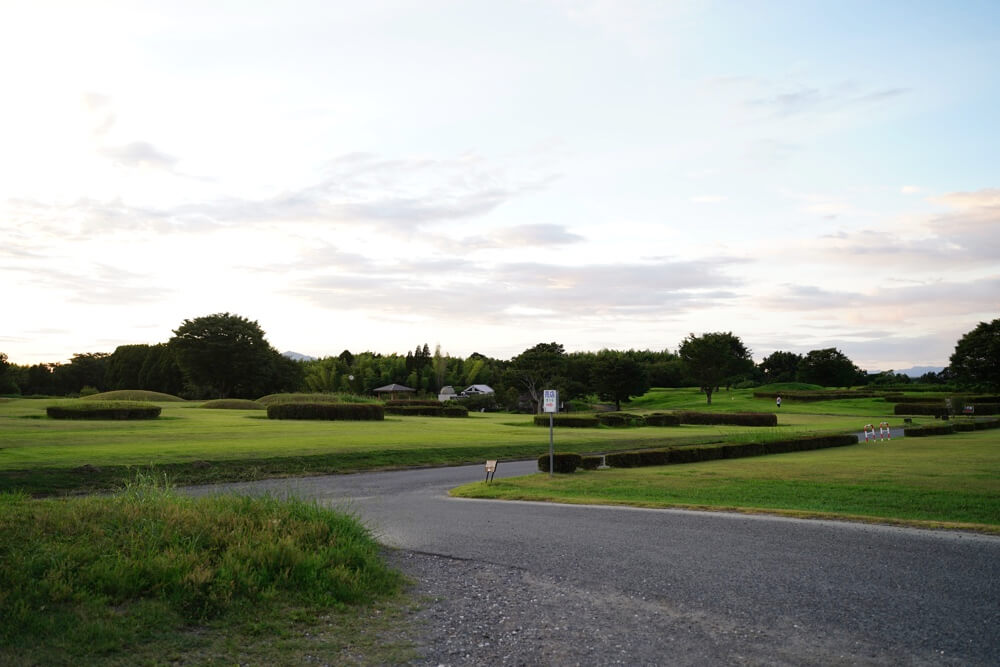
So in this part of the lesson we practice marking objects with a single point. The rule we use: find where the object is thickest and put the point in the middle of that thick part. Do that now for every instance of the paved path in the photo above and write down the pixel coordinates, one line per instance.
(677, 587)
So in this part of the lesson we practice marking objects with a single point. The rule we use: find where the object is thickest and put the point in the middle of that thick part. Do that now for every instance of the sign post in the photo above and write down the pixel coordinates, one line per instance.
(550, 404)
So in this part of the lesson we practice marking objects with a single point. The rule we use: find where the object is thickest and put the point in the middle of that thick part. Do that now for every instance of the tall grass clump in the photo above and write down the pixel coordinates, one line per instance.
(281, 399)
(92, 575)
(91, 409)
(233, 404)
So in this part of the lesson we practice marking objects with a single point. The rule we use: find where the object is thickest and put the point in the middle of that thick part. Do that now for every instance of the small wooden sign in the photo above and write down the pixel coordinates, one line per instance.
(491, 470)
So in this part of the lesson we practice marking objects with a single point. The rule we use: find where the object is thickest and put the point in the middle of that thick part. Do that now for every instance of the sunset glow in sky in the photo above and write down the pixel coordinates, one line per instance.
(491, 175)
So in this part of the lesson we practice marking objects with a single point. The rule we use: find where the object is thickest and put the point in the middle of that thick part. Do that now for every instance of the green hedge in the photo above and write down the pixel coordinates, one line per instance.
(620, 419)
(832, 395)
(932, 409)
(662, 419)
(964, 426)
(563, 462)
(404, 402)
(104, 410)
(233, 404)
(591, 462)
(929, 429)
(655, 457)
(332, 411)
(572, 420)
(436, 410)
(982, 424)
(728, 418)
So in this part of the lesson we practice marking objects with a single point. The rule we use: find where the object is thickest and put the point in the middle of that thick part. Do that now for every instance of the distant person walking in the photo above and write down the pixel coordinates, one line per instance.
(778, 401)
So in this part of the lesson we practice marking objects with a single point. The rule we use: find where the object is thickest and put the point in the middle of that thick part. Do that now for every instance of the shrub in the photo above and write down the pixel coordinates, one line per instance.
(277, 399)
(233, 404)
(88, 391)
(928, 429)
(436, 410)
(331, 411)
(104, 410)
(454, 411)
(570, 420)
(964, 426)
(562, 462)
(728, 418)
(662, 419)
(591, 462)
(982, 424)
(655, 457)
(625, 419)
(478, 403)
(829, 395)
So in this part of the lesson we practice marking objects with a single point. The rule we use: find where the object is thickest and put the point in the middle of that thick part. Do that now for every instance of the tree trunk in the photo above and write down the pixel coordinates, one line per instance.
(708, 394)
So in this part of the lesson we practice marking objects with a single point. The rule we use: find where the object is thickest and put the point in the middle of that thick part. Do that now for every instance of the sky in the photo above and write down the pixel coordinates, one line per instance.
(487, 175)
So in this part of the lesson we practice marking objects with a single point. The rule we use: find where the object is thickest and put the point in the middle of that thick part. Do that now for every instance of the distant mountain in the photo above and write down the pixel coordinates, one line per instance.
(295, 356)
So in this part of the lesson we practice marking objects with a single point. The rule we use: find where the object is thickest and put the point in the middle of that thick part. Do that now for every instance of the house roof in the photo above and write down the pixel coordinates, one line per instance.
(447, 389)
(480, 388)
(393, 387)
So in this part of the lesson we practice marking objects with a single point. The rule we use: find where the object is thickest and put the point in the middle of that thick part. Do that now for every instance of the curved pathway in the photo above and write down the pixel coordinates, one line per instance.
(534, 583)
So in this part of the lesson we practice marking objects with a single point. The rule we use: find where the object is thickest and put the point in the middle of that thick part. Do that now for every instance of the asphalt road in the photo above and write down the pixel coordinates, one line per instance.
(710, 587)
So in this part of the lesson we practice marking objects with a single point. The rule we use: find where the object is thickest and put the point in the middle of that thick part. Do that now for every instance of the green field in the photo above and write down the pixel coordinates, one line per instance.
(951, 481)
(194, 444)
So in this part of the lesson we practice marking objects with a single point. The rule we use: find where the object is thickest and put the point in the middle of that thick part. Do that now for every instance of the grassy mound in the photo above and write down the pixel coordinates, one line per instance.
(92, 409)
(233, 404)
(94, 576)
(791, 386)
(133, 395)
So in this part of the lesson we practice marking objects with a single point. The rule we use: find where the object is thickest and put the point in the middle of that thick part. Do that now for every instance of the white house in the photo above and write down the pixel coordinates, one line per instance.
(476, 390)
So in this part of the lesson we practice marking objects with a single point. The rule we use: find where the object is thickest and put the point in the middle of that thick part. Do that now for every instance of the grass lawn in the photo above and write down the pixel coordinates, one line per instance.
(198, 445)
(950, 481)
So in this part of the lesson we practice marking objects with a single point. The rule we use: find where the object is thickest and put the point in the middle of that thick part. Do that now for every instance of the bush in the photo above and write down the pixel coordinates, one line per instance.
(278, 399)
(964, 426)
(331, 411)
(478, 403)
(570, 420)
(982, 424)
(104, 410)
(830, 395)
(621, 419)
(88, 391)
(662, 419)
(591, 462)
(728, 418)
(562, 462)
(929, 429)
(454, 411)
(233, 404)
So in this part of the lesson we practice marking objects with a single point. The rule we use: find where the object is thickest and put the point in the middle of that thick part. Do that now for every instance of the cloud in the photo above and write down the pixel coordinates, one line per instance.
(708, 199)
(801, 99)
(139, 154)
(529, 236)
(909, 189)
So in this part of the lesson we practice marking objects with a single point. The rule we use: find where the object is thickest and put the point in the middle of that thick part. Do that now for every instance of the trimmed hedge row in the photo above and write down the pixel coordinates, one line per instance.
(655, 457)
(728, 418)
(436, 410)
(330, 411)
(572, 420)
(562, 462)
(620, 419)
(662, 419)
(933, 409)
(929, 429)
(233, 404)
(104, 410)
(814, 395)
(403, 402)
(955, 399)
(591, 462)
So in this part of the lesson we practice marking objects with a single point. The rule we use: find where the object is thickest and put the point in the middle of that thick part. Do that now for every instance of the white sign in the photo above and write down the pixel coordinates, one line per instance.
(550, 400)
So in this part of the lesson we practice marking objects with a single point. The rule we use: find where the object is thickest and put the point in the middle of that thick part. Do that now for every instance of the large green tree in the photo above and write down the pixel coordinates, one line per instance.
(226, 356)
(8, 385)
(714, 359)
(780, 366)
(829, 367)
(976, 359)
(536, 368)
(618, 377)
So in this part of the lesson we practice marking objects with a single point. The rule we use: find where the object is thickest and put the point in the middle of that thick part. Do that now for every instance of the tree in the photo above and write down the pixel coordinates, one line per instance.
(976, 360)
(225, 355)
(618, 378)
(8, 385)
(535, 368)
(829, 367)
(780, 367)
(714, 359)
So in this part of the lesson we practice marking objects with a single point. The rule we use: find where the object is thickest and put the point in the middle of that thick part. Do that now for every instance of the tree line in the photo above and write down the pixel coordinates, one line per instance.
(225, 355)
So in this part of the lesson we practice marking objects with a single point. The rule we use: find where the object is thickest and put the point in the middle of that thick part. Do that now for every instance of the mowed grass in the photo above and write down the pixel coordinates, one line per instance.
(201, 445)
(146, 576)
(951, 481)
